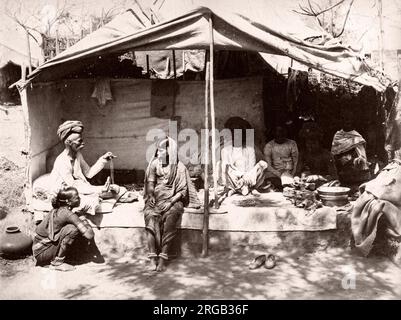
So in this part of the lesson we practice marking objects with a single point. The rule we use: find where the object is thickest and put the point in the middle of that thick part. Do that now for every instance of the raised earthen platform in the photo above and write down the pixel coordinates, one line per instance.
(189, 242)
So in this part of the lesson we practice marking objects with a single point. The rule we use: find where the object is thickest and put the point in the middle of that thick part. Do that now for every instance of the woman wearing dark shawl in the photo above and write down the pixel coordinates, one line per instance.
(166, 193)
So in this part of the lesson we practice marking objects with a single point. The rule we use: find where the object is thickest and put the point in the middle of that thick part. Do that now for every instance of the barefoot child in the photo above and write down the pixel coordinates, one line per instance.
(58, 231)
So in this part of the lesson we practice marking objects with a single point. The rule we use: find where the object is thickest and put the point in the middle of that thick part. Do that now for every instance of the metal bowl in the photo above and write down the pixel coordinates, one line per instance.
(332, 191)
(334, 196)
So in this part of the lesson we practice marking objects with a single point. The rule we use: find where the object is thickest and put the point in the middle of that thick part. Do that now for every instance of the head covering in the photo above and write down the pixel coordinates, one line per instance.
(237, 123)
(172, 153)
(68, 127)
(345, 141)
(172, 149)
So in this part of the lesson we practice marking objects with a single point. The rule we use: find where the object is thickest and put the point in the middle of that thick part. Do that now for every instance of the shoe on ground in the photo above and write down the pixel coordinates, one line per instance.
(270, 262)
(257, 262)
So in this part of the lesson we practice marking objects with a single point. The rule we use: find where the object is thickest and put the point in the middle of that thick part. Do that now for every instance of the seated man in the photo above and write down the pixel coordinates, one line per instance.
(348, 149)
(315, 163)
(281, 155)
(70, 168)
(241, 173)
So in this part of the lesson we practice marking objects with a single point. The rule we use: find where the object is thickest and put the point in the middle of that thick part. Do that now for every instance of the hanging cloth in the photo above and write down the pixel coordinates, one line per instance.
(102, 91)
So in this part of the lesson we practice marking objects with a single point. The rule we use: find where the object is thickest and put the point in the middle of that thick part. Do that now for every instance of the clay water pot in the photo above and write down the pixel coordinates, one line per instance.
(15, 244)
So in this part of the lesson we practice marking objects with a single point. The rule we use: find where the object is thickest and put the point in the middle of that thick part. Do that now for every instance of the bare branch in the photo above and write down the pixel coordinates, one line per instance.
(311, 8)
(321, 24)
(318, 6)
(345, 20)
(332, 7)
(304, 12)
(311, 11)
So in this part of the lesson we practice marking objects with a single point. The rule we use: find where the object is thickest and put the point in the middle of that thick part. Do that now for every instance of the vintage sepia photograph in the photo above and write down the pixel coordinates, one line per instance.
(177, 150)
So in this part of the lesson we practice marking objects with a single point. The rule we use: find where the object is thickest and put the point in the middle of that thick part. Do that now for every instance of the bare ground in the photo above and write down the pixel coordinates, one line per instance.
(320, 275)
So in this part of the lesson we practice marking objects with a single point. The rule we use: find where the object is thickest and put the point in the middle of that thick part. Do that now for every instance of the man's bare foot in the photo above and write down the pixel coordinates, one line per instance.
(245, 190)
(161, 266)
(152, 266)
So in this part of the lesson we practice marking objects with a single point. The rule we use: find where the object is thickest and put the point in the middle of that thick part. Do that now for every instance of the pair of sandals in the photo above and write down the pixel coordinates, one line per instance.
(266, 260)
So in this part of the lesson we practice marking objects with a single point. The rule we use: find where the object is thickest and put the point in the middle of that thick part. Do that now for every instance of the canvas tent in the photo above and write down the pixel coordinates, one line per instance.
(54, 97)
(230, 32)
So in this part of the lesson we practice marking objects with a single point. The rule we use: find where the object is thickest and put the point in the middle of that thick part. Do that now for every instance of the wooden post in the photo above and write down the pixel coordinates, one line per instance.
(174, 66)
(205, 232)
(57, 44)
(213, 115)
(147, 65)
(27, 133)
(91, 24)
(28, 46)
(381, 33)
(183, 65)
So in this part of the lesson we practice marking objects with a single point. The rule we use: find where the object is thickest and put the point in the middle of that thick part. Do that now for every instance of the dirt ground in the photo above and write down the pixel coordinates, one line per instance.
(331, 274)
(334, 274)
(12, 135)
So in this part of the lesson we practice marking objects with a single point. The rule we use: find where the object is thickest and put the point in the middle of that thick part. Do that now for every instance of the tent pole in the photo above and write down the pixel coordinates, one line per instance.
(28, 46)
(212, 114)
(381, 33)
(27, 135)
(57, 43)
(183, 65)
(147, 65)
(205, 231)
(174, 66)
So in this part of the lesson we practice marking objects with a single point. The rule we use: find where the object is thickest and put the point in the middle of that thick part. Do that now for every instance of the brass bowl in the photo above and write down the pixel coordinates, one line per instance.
(334, 196)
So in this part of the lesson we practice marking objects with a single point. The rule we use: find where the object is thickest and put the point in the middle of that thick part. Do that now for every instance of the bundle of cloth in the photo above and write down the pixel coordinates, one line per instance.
(380, 200)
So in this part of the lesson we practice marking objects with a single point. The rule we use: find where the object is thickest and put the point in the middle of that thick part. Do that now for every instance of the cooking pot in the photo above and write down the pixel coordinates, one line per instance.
(15, 244)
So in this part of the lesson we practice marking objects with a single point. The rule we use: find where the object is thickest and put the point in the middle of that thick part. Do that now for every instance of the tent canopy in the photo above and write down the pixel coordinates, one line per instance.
(231, 31)
(13, 44)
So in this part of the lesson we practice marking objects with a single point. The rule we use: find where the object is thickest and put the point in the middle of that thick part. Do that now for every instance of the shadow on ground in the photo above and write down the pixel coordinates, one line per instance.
(319, 275)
